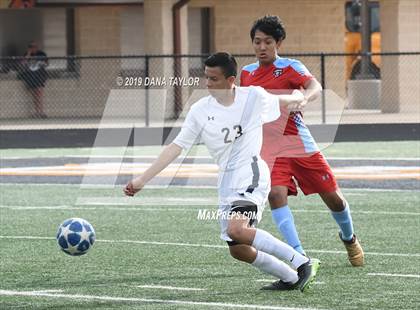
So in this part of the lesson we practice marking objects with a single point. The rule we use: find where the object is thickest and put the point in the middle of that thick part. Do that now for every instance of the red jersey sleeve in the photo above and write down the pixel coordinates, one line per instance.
(299, 74)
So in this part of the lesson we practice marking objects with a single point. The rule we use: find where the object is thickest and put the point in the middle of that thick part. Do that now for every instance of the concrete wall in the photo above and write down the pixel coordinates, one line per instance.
(409, 41)
(400, 22)
(311, 25)
(97, 30)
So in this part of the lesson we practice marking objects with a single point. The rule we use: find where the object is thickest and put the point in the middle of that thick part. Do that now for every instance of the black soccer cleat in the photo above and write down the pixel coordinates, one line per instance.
(281, 286)
(307, 273)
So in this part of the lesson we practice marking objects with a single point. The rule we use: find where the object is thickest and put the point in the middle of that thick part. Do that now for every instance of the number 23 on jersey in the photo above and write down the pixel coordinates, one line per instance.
(237, 131)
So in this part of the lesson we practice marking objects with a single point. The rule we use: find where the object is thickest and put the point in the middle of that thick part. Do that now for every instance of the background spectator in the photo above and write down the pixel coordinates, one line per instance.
(34, 75)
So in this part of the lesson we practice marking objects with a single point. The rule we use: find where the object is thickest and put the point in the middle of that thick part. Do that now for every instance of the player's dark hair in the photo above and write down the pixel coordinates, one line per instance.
(270, 25)
(225, 61)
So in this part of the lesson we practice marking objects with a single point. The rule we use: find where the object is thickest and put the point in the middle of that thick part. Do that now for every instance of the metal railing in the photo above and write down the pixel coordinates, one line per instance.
(71, 91)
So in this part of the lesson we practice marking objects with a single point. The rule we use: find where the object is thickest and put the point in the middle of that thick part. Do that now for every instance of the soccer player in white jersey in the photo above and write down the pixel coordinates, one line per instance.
(229, 122)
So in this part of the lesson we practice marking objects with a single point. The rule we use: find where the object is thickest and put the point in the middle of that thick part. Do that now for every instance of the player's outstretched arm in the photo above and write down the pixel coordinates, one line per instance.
(168, 155)
(293, 101)
(312, 90)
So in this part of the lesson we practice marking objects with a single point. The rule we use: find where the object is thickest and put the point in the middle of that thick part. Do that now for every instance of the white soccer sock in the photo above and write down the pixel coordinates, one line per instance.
(267, 243)
(273, 266)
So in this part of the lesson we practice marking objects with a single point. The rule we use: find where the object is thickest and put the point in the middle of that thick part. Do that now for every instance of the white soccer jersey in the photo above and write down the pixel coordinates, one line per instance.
(232, 134)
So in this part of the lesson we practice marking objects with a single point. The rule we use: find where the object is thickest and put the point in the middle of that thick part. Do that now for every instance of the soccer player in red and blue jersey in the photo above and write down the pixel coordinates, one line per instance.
(288, 146)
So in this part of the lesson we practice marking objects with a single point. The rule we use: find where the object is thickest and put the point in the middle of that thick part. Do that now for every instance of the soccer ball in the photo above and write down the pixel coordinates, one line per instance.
(75, 236)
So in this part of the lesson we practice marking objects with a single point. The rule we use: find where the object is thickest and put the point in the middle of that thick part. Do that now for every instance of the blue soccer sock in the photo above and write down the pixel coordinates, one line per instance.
(283, 218)
(344, 221)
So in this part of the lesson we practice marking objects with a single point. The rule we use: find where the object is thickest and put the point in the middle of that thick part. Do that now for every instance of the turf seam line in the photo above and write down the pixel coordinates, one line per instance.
(171, 287)
(144, 300)
(394, 275)
(158, 209)
(411, 255)
(113, 186)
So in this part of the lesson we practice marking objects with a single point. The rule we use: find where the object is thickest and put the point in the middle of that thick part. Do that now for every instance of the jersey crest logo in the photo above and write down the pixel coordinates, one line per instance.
(277, 72)
(210, 118)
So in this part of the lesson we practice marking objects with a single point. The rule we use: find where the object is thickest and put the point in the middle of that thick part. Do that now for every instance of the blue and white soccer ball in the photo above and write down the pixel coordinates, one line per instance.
(75, 236)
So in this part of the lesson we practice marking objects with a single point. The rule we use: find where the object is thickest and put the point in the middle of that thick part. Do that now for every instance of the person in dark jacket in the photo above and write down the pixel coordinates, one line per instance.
(35, 75)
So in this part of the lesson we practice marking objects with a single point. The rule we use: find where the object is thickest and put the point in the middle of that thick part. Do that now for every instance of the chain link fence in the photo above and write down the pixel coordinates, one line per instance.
(73, 92)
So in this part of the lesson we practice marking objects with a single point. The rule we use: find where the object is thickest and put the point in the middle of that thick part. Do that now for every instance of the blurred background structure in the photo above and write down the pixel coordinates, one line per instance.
(92, 43)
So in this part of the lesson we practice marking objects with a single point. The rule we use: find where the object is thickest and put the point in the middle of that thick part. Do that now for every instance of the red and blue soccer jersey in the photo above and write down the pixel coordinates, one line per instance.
(288, 147)
(288, 136)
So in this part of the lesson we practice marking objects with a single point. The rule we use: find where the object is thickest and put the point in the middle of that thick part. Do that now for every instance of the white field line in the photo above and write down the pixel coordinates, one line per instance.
(104, 207)
(176, 288)
(272, 280)
(84, 186)
(362, 212)
(379, 190)
(199, 157)
(367, 253)
(395, 275)
(356, 194)
(102, 156)
(28, 208)
(124, 201)
(139, 156)
(143, 300)
(49, 291)
(126, 241)
(113, 186)
(375, 158)
(195, 245)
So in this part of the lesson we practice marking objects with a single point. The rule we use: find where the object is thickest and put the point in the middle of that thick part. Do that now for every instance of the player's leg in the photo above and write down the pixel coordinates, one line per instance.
(282, 186)
(37, 95)
(242, 233)
(340, 211)
(246, 253)
(314, 175)
(263, 251)
(264, 262)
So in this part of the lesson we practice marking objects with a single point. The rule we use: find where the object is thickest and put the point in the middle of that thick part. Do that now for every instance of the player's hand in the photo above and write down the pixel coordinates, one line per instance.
(299, 101)
(132, 188)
